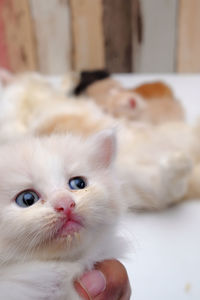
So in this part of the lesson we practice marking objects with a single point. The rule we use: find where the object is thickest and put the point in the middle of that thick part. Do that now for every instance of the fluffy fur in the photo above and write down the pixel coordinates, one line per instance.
(36, 262)
(109, 95)
(156, 163)
(23, 100)
(153, 103)
(162, 106)
(30, 103)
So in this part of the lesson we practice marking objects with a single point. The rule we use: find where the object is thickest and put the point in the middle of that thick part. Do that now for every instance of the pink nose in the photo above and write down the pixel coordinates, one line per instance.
(132, 103)
(64, 205)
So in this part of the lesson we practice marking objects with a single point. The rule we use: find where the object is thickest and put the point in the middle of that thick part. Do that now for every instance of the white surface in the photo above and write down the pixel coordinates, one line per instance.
(165, 260)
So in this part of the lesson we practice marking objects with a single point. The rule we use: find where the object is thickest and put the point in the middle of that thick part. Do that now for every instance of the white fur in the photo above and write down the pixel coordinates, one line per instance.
(156, 163)
(31, 100)
(33, 264)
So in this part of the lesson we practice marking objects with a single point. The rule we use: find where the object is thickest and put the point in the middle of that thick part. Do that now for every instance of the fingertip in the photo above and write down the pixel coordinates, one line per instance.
(81, 291)
(91, 284)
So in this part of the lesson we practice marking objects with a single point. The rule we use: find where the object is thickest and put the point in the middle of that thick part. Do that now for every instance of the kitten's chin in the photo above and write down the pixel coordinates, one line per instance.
(66, 246)
(67, 242)
(70, 228)
(72, 242)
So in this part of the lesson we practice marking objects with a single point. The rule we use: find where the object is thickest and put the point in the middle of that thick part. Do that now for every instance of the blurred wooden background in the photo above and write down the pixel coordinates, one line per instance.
(55, 36)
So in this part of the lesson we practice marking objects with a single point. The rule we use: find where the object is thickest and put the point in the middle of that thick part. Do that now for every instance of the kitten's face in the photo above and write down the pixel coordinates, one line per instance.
(58, 195)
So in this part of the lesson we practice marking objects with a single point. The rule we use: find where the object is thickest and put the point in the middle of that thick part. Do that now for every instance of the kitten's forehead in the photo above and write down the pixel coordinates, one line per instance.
(49, 153)
(50, 161)
(67, 145)
(73, 150)
(44, 164)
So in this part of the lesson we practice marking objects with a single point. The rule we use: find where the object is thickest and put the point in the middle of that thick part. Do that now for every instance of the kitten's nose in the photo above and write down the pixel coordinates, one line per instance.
(65, 205)
(132, 103)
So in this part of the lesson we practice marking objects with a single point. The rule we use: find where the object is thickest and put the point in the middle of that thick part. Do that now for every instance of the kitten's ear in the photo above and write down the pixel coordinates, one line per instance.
(103, 147)
(6, 77)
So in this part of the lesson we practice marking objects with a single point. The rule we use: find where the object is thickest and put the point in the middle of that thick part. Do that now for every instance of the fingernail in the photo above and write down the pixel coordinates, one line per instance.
(93, 282)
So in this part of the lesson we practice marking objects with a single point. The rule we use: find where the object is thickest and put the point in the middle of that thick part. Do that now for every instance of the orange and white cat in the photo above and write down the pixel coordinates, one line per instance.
(152, 103)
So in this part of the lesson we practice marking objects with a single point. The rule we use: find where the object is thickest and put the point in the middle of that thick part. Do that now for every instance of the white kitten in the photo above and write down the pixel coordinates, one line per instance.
(60, 204)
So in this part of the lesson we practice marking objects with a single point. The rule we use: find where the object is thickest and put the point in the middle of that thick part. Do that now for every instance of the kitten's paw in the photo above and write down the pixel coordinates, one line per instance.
(177, 164)
(176, 169)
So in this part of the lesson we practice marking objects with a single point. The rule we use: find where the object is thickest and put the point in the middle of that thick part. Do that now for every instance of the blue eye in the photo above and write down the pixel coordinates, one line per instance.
(27, 198)
(77, 183)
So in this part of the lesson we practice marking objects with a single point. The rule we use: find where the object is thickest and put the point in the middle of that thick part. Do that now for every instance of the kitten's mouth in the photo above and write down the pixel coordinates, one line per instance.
(72, 225)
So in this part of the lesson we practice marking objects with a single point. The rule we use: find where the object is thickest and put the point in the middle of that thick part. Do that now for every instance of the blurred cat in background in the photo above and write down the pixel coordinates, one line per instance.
(152, 102)
(30, 99)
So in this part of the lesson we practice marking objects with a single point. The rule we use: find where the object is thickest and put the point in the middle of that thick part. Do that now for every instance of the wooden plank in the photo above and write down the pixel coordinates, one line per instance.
(88, 40)
(117, 20)
(188, 58)
(18, 38)
(156, 51)
(4, 58)
(53, 35)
